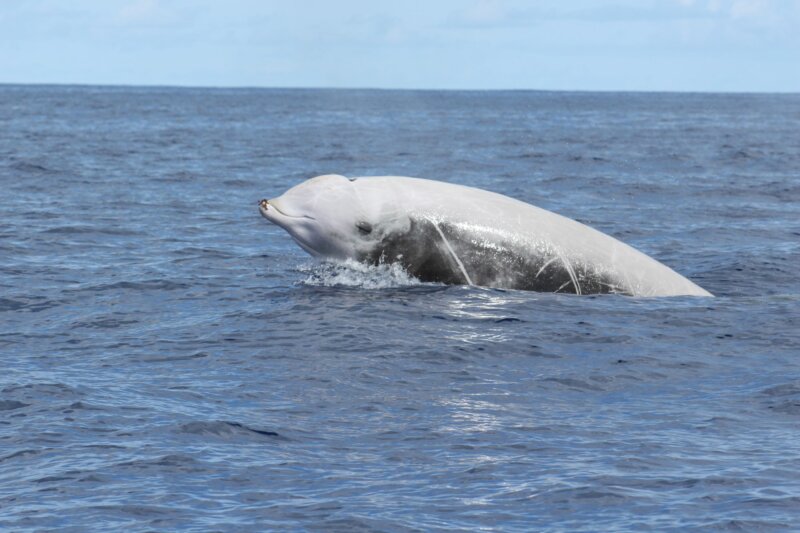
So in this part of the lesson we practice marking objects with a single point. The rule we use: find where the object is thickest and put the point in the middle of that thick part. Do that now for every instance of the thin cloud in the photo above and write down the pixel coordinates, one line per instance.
(139, 10)
(499, 14)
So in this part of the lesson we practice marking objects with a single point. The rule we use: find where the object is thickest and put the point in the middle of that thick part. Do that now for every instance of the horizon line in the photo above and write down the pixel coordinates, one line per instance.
(369, 88)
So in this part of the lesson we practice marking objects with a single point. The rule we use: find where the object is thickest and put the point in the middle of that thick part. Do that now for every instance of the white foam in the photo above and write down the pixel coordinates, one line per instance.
(351, 273)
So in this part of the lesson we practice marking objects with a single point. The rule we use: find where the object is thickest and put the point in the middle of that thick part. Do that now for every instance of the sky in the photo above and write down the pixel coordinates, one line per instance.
(646, 45)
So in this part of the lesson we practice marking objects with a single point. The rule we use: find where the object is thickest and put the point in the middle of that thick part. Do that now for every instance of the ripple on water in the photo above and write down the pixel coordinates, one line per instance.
(226, 430)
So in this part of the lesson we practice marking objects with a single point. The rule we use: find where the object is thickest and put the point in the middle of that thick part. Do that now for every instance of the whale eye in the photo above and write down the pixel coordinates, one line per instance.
(365, 228)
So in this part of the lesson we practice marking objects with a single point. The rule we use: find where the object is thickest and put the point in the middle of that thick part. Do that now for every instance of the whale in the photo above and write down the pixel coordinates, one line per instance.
(454, 234)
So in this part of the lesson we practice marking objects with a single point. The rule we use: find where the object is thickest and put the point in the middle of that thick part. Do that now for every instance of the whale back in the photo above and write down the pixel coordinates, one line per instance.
(457, 234)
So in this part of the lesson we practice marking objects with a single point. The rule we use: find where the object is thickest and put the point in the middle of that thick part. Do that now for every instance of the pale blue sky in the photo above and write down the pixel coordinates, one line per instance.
(687, 45)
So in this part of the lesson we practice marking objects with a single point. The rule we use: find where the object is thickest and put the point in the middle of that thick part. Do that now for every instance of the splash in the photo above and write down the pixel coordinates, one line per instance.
(351, 273)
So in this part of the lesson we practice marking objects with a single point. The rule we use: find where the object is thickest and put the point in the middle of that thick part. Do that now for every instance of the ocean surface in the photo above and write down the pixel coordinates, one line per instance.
(170, 361)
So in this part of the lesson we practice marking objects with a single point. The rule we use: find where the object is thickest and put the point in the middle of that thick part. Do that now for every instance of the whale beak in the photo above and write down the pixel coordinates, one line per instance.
(264, 208)
(273, 211)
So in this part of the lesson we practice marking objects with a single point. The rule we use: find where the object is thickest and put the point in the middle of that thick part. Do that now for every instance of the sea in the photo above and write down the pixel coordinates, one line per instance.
(170, 361)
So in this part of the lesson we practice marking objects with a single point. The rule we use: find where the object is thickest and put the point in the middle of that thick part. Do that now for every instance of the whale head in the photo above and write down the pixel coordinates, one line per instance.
(328, 216)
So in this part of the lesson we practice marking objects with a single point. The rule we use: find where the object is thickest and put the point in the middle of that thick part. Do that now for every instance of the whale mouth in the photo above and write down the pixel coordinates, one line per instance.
(270, 208)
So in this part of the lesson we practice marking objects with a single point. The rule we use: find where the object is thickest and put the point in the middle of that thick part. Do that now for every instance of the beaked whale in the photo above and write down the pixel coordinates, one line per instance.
(442, 232)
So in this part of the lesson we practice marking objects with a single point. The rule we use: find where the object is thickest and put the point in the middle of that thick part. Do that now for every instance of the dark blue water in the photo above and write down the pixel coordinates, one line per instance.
(170, 361)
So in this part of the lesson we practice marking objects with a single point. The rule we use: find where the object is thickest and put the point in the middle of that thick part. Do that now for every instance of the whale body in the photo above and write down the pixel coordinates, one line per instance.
(442, 232)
